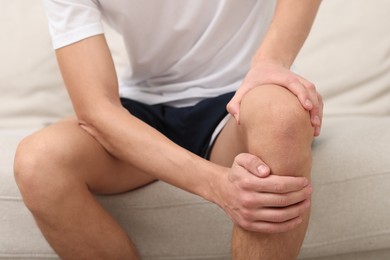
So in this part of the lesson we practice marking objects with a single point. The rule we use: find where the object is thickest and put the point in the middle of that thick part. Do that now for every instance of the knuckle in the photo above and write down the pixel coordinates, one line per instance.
(277, 218)
(245, 224)
(252, 160)
(291, 80)
(311, 86)
(246, 202)
(282, 202)
(245, 183)
(279, 187)
(246, 215)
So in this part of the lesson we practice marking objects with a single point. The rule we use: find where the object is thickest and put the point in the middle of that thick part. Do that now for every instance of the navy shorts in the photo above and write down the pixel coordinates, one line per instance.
(190, 127)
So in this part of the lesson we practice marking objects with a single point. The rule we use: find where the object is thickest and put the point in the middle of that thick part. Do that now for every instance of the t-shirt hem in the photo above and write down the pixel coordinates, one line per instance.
(76, 35)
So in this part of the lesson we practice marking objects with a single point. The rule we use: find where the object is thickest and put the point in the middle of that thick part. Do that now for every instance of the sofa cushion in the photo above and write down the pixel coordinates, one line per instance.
(32, 90)
(347, 55)
(349, 214)
(351, 179)
(351, 72)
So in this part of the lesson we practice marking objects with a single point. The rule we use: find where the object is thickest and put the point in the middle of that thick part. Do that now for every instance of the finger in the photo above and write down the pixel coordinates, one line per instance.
(277, 184)
(311, 91)
(293, 84)
(233, 107)
(281, 200)
(271, 227)
(315, 116)
(253, 164)
(317, 130)
(279, 215)
(255, 200)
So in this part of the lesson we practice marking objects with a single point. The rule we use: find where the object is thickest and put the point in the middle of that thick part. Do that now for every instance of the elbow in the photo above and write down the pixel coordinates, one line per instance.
(91, 122)
(94, 122)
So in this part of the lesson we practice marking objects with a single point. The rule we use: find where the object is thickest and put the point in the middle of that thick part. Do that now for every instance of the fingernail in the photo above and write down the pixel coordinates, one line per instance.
(305, 182)
(263, 170)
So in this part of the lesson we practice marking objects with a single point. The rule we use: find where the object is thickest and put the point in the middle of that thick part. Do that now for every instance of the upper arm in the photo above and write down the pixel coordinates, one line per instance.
(89, 74)
(72, 20)
(82, 53)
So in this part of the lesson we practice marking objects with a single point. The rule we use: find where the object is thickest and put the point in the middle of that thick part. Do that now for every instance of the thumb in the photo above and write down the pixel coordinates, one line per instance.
(253, 164)
(233, 107)
(263, 170)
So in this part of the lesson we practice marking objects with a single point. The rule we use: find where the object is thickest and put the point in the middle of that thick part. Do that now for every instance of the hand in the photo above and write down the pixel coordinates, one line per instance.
(273, 73)
(257, 201)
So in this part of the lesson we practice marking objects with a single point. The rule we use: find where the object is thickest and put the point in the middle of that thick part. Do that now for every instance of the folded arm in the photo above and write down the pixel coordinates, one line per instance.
(90, 77)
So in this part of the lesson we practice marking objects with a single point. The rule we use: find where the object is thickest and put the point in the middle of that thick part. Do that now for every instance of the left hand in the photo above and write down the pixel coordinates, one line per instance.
(273, 73)
(259, 201)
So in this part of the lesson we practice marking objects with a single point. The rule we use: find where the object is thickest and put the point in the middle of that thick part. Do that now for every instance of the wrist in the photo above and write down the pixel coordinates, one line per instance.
(212, 189)
(271, 59)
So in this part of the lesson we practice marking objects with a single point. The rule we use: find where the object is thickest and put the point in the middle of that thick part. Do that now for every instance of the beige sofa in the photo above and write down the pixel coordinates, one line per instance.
(347, 55)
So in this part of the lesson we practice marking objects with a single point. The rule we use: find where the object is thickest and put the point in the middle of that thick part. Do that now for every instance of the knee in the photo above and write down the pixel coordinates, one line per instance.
(279, 111)
(275, 125)
(36, 171)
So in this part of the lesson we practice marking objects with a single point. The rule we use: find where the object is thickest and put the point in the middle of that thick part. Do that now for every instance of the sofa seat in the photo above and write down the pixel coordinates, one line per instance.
(347, 56)
(350, 214)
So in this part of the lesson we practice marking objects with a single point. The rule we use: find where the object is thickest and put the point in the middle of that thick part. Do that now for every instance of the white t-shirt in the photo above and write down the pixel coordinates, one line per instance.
(179, 51)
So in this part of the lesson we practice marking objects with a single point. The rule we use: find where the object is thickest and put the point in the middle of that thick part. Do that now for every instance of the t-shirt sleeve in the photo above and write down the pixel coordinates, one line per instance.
(72, 20)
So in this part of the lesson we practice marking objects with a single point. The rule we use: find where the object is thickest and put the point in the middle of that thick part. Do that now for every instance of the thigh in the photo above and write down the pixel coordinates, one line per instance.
(73, 153)
(228, 144)
(269, 115)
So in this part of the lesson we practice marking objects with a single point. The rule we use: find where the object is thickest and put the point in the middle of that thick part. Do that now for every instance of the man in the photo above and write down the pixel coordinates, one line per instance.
(187, 59)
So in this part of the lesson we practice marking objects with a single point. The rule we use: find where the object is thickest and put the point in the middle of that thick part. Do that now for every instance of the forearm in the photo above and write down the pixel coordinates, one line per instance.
(89, 75)
(288, 31)
(135, 142)
(90, 78)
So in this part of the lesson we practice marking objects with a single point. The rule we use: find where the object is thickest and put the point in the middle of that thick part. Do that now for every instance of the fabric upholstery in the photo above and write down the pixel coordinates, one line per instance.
(347, 56)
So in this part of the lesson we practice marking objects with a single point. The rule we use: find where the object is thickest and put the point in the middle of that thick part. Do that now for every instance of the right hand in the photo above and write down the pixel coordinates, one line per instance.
(271, 72)
(262, 202)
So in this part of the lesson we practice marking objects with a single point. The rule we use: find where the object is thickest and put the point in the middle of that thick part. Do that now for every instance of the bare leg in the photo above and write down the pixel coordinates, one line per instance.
(276, 128)
(57, 169)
